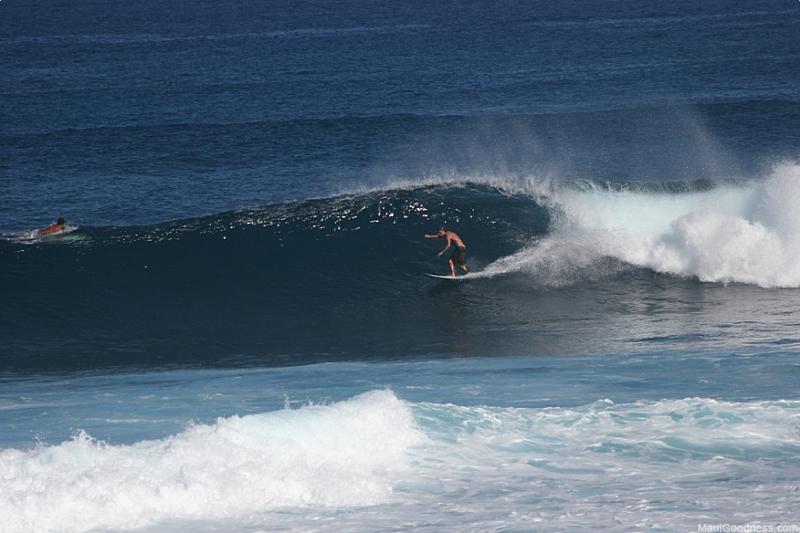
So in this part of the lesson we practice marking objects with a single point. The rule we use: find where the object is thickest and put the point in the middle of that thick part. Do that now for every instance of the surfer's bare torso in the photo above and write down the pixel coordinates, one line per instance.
(459, 251)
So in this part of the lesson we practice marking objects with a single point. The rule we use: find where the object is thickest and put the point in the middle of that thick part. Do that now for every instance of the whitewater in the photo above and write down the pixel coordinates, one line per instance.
(744, 232)
(373, 460)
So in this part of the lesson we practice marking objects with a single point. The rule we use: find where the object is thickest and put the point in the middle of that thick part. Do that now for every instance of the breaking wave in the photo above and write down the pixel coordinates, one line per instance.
(409, 462)
(339, 455)
(253, 283)
(747, 232)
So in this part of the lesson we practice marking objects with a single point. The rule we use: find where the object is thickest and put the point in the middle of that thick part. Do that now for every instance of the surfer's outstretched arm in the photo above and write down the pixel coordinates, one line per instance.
(429, 236)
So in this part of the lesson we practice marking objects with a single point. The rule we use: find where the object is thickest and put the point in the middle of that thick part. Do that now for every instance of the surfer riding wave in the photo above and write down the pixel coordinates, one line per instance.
(458, 256)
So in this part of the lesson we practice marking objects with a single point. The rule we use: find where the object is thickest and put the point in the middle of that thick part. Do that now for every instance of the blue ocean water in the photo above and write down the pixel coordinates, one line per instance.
(239, 335)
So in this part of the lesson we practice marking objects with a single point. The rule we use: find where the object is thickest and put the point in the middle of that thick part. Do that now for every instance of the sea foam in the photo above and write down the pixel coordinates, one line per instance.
(343, 454)
(665, 465)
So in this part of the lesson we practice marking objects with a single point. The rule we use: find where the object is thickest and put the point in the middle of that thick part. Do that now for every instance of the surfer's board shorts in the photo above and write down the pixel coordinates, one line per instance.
(458, 255)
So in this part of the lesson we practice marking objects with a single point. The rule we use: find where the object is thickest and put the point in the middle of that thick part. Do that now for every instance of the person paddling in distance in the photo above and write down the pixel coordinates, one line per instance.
(459, 253)
(52, 228)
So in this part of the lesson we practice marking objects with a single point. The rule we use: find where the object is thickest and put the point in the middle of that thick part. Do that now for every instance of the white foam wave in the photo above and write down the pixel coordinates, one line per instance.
(667, 464)
(746, 233)
(343, 454)
(648, 432)
(364, 464)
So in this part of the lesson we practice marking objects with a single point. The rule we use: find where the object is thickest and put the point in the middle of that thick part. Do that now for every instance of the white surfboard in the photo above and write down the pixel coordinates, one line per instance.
(448, 277)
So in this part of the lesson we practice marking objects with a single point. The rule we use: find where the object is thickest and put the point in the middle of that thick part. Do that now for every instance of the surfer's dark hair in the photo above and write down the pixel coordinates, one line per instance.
(60, 220)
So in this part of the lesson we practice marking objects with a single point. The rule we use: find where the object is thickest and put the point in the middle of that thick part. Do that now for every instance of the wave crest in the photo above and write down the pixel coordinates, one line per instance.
(342, 454)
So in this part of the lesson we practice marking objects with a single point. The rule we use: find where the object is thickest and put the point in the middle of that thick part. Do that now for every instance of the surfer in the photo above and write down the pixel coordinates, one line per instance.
(52, 228)
(459, 252)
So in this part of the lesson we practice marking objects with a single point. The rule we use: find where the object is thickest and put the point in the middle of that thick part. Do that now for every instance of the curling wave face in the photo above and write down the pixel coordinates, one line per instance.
(250, 285)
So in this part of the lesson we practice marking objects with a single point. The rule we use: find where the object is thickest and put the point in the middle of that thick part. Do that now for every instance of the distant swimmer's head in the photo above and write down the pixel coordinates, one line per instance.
(60, 221)
(441, 231)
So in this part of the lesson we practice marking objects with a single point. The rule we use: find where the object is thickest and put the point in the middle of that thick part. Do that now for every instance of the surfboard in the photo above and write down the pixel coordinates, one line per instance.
(448, 277)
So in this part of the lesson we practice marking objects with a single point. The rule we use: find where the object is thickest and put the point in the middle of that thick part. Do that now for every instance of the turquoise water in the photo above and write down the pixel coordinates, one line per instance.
(635, 441)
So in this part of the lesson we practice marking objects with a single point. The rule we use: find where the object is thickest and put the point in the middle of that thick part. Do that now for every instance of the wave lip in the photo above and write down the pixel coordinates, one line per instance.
(343, 454)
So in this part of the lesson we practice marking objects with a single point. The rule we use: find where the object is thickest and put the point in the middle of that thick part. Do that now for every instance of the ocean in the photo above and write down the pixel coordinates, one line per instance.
(237, 333)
